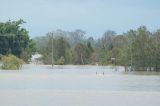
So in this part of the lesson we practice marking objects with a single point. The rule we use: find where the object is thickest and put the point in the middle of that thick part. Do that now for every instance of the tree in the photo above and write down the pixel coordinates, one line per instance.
(80, 53)
(107, 39)
(155, 61)
(136, 50)
(139, 50)
(60, 48)
(14, 39)
(105, 46)
(75, 37)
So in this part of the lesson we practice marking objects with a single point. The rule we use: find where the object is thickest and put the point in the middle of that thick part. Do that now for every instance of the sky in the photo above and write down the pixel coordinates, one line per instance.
(93, 16)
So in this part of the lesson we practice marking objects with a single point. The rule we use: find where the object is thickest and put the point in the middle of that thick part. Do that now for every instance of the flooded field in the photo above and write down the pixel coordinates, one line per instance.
(39, 85)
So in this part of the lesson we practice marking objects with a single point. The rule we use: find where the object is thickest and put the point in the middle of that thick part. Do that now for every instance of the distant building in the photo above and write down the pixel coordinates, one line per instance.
(36, 59)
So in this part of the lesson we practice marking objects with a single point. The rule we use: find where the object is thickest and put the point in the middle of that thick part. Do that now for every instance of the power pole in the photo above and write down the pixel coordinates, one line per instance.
(131, 54)
(52, 50)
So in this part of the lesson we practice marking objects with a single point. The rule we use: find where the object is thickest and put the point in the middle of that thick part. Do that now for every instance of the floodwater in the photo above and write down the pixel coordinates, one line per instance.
(39, 85)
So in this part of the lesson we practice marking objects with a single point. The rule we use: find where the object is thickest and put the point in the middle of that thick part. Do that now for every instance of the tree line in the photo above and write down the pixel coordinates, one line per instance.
(136, 50)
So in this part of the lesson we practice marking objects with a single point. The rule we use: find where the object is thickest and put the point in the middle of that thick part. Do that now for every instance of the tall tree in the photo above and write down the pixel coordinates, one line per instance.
(107, 39)
(80, 53)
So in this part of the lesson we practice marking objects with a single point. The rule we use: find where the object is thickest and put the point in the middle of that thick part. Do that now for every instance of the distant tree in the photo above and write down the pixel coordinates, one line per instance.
(80, 53)
(76, 37)
(141, 49)
(155, 46)
(105, 46)
(136, 50)
(60, 48)
(107, 39)
(90, 48)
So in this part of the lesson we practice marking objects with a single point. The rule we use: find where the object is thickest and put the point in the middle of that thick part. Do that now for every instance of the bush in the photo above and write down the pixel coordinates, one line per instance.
(11, 62)
(61, 61)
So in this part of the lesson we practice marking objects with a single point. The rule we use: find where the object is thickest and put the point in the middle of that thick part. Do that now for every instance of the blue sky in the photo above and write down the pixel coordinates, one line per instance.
(92, 16)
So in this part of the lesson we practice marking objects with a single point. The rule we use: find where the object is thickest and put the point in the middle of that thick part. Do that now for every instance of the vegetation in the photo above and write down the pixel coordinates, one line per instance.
(11, 62)
(137, 50)
(15, 40)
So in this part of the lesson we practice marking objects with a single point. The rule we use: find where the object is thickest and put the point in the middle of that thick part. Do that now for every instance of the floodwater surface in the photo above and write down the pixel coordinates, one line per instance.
(101, 78)
(42, 85)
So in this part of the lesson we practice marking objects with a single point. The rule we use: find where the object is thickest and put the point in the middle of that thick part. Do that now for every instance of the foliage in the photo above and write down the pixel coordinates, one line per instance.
(80, 53)
(59, 46)
(11, 62)
(61, 61)
(15, 39)
(136, 50)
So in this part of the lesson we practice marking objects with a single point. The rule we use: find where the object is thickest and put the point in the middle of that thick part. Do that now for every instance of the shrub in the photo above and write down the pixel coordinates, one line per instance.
(61, 61)
(11, 62)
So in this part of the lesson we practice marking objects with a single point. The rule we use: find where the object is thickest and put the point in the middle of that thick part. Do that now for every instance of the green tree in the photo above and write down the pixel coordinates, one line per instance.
(14, 39)
(155, 44)
(60, 47)
(139, 49)
(107, 39)
(80, 53)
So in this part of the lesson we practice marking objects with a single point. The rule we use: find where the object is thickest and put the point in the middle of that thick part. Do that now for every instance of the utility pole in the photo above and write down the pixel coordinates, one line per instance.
(52, 50)
(131, 53)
